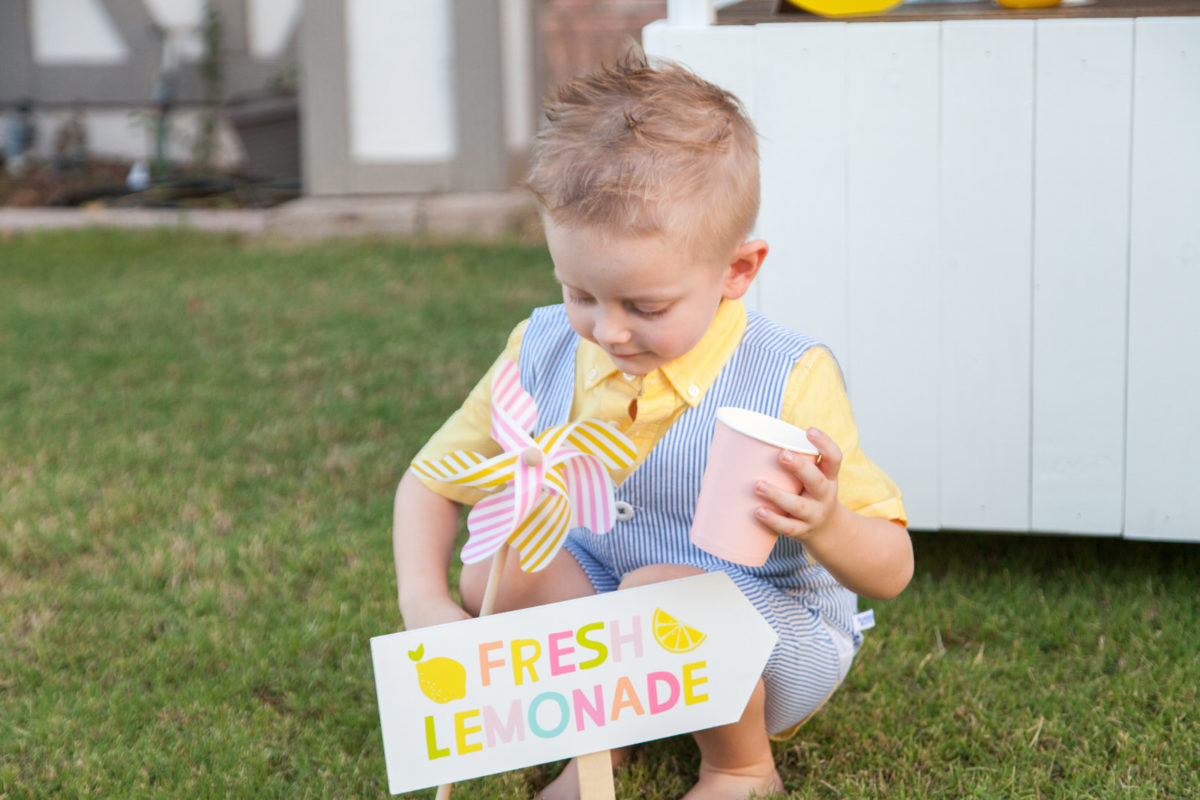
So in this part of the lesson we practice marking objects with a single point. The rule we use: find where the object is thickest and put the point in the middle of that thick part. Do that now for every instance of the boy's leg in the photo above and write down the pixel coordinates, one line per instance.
(562, 579)
(736, 759)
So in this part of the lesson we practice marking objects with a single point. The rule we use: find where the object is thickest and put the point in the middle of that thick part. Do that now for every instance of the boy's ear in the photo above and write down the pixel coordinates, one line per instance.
(743, 268)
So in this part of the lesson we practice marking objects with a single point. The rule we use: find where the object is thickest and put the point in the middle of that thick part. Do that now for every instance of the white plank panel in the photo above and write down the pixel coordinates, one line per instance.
(1081, 245)
(892, 213)
(801, 119)
(1164, 331)
(986, 270)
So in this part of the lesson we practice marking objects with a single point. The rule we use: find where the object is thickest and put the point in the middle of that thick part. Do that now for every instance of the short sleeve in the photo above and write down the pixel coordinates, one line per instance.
(470, 427)
(816, 397)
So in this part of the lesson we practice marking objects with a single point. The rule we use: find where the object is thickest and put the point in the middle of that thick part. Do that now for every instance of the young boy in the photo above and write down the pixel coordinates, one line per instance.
(647, 178)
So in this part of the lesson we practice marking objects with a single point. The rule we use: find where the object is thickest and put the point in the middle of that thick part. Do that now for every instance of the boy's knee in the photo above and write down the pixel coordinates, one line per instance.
(657, 573)
(562, 579)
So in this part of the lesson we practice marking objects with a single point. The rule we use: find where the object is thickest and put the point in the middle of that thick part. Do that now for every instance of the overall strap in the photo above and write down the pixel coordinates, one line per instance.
(547, 364)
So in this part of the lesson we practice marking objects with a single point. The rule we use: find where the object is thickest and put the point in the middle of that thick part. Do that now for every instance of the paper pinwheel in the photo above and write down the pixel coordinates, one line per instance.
(555, 481)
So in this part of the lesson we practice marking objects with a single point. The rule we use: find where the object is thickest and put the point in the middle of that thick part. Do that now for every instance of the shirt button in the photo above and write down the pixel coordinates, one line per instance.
(624, 511)
(592, 374)
(629, 377)
(693, 391)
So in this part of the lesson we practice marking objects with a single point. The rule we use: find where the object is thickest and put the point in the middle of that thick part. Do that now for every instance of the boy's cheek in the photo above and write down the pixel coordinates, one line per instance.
(578, 325)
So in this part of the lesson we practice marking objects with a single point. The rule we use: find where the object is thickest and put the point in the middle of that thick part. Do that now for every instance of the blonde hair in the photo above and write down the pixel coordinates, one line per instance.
(635, 149)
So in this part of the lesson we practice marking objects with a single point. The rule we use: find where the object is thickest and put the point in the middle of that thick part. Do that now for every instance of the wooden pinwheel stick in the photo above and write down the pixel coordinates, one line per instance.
(596, 776)
(493, 582)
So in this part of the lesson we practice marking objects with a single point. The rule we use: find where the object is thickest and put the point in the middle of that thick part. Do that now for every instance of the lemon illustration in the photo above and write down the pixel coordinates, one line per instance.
(673, 636)
(442, 679)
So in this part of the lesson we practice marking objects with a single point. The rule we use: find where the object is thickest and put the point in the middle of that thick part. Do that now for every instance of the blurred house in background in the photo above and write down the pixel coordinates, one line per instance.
(436, 97)
(118, 65)
(387, 96)
(579, 34)
(444, 96)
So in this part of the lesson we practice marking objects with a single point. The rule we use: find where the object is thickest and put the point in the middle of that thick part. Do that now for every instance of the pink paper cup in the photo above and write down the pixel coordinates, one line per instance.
(745, 449)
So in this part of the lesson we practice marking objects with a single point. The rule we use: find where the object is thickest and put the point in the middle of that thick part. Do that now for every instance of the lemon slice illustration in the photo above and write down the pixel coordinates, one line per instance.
(673, 636)
(441, 679)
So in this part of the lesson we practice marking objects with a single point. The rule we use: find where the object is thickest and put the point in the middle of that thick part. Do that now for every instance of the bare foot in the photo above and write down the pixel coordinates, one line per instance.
(566, 785)
(739, 784)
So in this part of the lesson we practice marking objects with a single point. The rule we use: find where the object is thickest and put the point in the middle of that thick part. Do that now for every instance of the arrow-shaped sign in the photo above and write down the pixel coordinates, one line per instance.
(507, 691)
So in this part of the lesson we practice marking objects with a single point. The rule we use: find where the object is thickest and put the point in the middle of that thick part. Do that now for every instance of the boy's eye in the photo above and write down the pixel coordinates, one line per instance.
(650, 312)
(575, 297)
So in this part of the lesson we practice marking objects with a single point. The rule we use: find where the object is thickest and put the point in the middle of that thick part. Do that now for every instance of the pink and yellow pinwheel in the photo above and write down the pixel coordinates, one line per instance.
(552, 482)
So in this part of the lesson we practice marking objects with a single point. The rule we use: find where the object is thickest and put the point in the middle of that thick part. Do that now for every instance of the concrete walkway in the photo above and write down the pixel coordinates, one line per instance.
(485, 216)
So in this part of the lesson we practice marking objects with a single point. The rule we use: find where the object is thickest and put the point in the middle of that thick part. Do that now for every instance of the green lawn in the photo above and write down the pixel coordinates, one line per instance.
(199, 440)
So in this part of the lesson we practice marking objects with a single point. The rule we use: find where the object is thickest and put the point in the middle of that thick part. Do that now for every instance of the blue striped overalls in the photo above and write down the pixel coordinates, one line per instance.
(799, 599)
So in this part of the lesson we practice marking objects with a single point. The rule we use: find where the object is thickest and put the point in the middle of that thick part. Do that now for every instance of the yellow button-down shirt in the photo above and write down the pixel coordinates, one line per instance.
(644, 407)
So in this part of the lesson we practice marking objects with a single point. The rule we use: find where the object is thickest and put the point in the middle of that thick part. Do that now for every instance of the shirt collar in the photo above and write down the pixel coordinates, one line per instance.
(692, 374)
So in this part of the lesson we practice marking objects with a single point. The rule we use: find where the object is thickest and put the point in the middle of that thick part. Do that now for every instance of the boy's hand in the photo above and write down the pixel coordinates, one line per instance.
(432, 612)
(816, 507)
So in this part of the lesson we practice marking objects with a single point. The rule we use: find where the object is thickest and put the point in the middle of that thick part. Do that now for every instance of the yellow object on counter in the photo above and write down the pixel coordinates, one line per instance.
(846, 8)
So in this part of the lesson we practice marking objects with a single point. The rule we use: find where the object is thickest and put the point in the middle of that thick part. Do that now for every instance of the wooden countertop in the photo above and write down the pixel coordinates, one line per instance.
(752, 12)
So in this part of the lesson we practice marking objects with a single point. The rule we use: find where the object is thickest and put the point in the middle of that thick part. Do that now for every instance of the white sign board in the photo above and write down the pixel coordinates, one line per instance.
(511, 690)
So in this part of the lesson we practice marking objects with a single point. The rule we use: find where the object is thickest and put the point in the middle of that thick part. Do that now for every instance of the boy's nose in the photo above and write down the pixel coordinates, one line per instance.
(610, 328)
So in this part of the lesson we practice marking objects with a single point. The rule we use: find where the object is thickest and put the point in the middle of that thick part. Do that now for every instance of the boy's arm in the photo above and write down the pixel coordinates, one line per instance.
(423, 529)
(870, 556)
(424, 522)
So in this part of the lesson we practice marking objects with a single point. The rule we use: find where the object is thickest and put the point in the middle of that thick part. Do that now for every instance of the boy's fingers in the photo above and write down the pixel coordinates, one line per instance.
(789, 526)
(810, 475)
(830, 458)
(790, 504)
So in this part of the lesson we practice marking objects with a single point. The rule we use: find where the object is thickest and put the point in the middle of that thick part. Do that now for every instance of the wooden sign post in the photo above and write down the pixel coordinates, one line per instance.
(511, 690)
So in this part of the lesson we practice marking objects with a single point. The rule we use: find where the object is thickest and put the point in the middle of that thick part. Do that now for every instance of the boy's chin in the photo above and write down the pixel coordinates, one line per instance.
(637, 364)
